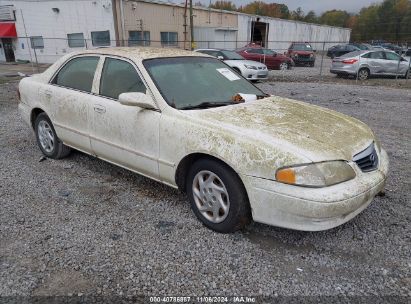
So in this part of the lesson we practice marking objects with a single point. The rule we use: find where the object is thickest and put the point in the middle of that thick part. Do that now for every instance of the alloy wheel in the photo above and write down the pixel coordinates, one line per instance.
(284, 66)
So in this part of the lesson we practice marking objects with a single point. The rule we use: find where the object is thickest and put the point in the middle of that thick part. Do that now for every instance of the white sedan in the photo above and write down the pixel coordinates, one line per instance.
(188, 121)
(251, 70)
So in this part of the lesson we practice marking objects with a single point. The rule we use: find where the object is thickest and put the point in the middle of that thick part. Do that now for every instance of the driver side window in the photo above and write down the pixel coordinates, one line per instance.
(119, 76)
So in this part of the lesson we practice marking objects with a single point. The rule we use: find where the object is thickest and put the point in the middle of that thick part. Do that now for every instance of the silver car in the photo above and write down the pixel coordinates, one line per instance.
(370, 63)
(250, 70)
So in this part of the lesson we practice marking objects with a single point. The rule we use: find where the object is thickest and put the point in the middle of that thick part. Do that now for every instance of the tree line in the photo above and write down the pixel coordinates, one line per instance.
(389, 20)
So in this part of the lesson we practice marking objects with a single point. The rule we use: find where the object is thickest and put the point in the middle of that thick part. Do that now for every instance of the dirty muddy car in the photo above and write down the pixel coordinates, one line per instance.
(188, 121)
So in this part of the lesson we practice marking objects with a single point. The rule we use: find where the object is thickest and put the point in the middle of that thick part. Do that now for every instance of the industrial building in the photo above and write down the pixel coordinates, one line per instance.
(45, 30)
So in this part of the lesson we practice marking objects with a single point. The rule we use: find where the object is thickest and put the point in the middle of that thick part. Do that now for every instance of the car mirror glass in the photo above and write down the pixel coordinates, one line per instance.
(137, 99)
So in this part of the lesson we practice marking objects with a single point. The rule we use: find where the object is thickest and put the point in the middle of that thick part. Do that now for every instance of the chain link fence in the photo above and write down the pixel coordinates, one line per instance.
(39, 51)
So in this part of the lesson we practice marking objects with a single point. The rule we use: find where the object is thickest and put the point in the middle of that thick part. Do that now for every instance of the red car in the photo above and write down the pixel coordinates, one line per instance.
(273, 60)
(302, 53)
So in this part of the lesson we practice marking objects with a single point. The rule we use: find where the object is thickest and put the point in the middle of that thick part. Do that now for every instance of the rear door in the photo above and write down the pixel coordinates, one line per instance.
(125, 135)
(70, 94)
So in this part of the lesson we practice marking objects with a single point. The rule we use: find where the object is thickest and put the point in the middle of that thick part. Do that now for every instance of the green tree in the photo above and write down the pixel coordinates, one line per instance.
(298, 14)
(311, 17)
(224, 5)
(335, 18)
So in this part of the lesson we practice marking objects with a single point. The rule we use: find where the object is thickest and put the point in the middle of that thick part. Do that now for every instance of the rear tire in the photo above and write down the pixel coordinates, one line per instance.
(363, 74)
(217, 196)
(47, 140)
(284, 66)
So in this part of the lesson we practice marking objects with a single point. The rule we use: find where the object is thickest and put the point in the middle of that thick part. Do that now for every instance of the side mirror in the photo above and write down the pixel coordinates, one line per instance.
(220, 57)
(137, 99)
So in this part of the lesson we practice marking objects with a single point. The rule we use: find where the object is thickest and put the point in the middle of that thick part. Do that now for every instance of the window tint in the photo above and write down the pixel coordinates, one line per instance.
(255, 51)
(119, 77)
(391, 56)
(75, 40)
(139, 38)
(37, 42)
(377, 55)
(408, 53)
(78, 73)
(101, 38)
(169, 38)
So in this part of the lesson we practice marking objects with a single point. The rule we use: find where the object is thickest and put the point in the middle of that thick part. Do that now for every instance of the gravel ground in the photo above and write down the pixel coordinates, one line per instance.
(312, 74)
(82, 226)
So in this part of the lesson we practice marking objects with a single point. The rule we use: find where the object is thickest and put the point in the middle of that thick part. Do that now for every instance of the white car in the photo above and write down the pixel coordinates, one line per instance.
(251, 70)
(188, 121)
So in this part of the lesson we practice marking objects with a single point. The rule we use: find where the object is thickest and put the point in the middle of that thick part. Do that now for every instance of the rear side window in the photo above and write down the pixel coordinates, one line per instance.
(118, 77)
(78, 73)
(377, 55)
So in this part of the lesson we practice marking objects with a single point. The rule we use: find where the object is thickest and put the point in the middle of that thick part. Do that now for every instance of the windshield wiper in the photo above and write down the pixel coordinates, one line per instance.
(208, 104)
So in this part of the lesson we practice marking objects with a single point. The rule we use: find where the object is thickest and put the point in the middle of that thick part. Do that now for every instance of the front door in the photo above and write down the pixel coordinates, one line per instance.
(8, 49)
(125, 135)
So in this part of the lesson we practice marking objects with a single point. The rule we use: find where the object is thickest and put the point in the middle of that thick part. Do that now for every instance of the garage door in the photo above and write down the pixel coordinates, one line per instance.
(225, 39)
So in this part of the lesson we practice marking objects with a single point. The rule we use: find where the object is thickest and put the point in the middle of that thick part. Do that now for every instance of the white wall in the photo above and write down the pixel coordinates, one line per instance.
(74, 17)
(282, 32)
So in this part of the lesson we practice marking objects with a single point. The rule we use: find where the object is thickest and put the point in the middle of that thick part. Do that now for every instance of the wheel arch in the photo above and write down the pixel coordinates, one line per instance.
(184, 165)
(34, 113)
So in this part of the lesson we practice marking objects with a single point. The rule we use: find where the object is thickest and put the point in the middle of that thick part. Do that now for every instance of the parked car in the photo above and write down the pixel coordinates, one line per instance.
(388, 46)
(187, 120)
(302, 53)
(370, 63)
(272, 59)
(251, 70)
(407, 55)
(341, 49)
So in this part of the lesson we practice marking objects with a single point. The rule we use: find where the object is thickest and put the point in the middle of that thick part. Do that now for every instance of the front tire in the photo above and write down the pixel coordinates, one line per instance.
(217, 196)
(47, 140)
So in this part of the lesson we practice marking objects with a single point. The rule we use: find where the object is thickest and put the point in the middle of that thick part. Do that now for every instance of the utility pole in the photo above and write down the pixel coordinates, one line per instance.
(185, 25)
(191, 25)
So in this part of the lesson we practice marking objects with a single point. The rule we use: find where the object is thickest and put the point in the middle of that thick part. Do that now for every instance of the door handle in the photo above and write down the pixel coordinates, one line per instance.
(99, 109)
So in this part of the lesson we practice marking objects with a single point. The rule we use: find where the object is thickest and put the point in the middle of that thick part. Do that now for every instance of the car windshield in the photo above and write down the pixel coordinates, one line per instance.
(268, 52)
(186, 82)
(302, 47)
(230, 55)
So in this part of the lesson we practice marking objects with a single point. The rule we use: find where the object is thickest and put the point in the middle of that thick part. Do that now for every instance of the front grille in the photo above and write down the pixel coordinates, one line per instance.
(367, 160)
(304, 56)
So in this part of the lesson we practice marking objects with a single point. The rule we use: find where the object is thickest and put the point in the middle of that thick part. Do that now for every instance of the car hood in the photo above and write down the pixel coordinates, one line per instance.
(248, 62)
(312, 132)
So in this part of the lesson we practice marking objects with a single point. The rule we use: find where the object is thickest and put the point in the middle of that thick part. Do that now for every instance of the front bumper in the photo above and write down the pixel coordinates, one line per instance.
(255, 74)
(314, 209)
(302, 60)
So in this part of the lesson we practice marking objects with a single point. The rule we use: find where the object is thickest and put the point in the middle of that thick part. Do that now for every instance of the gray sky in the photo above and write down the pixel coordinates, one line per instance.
(319, 6)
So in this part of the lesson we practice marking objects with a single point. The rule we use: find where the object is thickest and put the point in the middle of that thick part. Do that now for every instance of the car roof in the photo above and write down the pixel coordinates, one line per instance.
(141, 53)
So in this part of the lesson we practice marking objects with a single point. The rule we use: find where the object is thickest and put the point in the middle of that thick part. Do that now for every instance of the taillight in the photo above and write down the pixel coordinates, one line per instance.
(350, 61)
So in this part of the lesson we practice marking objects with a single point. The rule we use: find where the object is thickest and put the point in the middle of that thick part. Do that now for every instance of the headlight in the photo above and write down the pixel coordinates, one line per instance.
(311, 55)
(317, 174)
(251, 67)
(295, 55)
